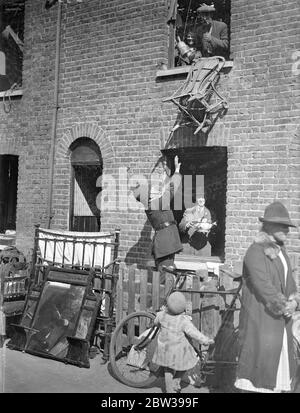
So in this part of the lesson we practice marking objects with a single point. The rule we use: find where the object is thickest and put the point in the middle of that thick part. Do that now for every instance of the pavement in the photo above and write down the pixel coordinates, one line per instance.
(25, 373)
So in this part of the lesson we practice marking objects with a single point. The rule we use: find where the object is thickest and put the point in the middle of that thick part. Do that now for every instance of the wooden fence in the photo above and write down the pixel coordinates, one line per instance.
(141, 290)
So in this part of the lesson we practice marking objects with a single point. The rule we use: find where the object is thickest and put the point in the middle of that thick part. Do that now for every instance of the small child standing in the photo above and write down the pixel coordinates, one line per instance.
(174, 352)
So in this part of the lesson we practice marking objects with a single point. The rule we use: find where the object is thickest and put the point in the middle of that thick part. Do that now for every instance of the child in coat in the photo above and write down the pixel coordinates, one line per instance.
(174, 352)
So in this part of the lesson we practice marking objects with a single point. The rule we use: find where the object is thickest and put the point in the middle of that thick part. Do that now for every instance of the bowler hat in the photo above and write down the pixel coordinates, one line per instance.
(176, 303)
(277, 213)
(205, 8)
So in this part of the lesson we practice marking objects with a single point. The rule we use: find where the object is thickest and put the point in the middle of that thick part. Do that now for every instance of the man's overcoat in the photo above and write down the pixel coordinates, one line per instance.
(261, 321)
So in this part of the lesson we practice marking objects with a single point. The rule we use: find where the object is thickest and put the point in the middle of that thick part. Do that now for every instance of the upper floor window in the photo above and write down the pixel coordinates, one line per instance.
(198, 30)
(11, 43)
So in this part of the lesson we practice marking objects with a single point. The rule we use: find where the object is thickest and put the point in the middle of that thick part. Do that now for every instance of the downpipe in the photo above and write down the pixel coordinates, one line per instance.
(55, 113)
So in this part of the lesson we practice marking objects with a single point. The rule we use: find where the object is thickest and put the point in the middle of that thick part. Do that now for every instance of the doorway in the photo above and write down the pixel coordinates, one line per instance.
(9, 165)
(210, 163)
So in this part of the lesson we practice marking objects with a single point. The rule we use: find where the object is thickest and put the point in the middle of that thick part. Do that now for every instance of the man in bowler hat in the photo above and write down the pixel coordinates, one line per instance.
(211, 35)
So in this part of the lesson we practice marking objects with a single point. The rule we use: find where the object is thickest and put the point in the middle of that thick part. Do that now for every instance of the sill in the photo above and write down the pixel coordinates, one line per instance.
(6, 93)
(191, 262)
(183, 70)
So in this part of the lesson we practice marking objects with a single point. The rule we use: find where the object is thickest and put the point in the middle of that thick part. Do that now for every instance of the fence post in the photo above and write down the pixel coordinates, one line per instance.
(119, 298)
(143, 289)
(131, 289)
(196, 302)
(156, 291)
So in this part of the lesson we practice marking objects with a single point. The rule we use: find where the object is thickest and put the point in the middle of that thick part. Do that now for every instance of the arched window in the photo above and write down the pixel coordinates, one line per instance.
(86, 162)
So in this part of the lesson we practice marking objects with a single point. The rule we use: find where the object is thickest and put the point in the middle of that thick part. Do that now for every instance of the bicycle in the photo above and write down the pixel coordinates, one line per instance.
(137, 331)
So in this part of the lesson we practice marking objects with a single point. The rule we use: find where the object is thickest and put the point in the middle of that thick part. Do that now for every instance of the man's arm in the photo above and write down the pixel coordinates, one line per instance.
(176, 178)
(223, 41)
(207, 215)
(183, 225)
(260, 280)
(167, 194)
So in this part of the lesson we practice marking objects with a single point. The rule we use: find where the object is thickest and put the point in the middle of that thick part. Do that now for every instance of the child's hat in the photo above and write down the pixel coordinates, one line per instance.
(176, 303)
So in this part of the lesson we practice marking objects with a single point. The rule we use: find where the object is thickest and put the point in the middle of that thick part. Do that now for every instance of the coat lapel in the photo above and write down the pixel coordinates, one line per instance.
(214, 31)
(280, 269)
(290, 282)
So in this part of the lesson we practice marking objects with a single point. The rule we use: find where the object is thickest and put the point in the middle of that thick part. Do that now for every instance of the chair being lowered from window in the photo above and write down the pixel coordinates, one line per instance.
(197, 98)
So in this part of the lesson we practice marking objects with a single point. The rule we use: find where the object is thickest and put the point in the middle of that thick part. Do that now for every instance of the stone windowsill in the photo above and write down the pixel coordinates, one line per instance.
(187, 262)
(6, 93)
(192, 263)
(182, 70)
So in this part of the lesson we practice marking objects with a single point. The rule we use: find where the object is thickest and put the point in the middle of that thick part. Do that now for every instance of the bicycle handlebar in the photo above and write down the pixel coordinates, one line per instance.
(177, 272)
(236, 276)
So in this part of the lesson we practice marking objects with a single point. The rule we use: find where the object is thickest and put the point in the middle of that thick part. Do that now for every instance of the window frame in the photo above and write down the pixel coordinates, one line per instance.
(17, 37)
(172, 32)
(97, 162)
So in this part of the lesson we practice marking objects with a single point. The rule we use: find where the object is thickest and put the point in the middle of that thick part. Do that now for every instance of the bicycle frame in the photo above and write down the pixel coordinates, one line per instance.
(228, 311)
(136, 376)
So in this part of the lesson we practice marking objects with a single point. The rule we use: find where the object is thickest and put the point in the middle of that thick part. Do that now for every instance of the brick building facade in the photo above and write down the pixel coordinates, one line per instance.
(110, 93)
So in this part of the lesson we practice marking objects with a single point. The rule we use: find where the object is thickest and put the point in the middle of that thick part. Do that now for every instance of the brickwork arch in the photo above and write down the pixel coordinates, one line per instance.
(87, 130)
(6, 148)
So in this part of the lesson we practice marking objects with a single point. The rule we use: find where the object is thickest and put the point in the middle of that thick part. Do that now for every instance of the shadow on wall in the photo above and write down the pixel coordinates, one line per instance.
(140, 252)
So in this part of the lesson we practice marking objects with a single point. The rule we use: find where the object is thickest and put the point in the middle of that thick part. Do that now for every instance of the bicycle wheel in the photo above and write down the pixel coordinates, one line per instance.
(127, 334)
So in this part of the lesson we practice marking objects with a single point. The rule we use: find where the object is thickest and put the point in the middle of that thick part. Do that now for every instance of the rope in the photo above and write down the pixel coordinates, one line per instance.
(8, 105)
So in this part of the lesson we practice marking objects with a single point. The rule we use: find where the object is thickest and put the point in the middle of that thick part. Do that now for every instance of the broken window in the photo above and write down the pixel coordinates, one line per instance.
(11, 43)
(185, 25)
(86, 168)
(204, 174)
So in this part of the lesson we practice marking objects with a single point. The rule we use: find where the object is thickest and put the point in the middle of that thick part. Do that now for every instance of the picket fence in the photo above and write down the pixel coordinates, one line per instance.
(141, 290)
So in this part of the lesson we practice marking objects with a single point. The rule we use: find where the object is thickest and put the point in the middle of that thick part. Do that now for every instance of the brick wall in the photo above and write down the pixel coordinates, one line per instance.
(25, 130)
(109, 92)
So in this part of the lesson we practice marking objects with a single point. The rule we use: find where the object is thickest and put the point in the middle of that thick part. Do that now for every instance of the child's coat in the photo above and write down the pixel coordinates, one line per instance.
(173, 348)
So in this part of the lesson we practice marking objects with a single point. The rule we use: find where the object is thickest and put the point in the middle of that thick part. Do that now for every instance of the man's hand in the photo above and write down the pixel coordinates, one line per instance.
(177, 164)
(290, 308)
(208, 341)
(207, 37)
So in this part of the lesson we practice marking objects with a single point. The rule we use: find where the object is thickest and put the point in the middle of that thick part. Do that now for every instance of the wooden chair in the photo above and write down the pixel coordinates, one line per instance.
(194, 96)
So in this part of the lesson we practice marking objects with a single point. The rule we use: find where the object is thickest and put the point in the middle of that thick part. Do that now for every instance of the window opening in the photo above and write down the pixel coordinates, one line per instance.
(11, 43)
(8, 192)
(204, 172)
(186, 25)
(86, 165)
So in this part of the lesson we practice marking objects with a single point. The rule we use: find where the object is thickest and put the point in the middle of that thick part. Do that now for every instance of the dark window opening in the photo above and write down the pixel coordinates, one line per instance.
(8, 192)
(185, 23)
(11, 43)
(204, 172)
(86, 162)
